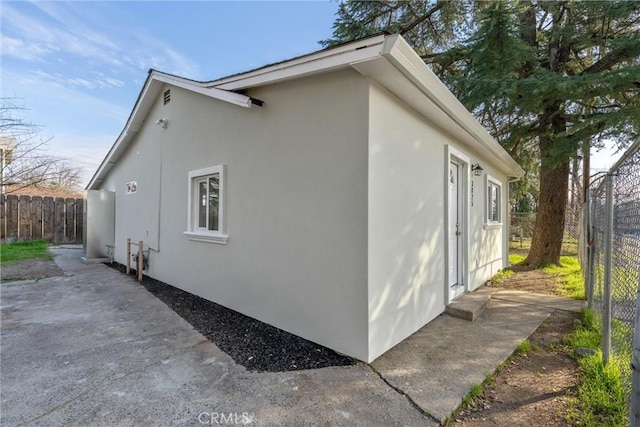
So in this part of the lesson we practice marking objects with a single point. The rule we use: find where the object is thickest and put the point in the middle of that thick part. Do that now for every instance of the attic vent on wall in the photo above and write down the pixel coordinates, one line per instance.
(167, 96)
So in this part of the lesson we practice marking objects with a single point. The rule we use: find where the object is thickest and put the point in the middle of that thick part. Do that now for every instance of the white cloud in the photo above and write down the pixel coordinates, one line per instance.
(113, 82)
(70, 30)
(82, 83)
(55, 89)
(22, 49)
(78, 45)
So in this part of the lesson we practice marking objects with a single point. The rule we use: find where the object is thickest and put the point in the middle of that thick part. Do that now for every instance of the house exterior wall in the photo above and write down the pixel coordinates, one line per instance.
(296, 204)
(488, 251)
(336, 199)
(407, 259)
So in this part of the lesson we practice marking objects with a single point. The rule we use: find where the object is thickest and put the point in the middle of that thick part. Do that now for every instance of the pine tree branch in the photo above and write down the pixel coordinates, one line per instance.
(404, 30)
(613, 58)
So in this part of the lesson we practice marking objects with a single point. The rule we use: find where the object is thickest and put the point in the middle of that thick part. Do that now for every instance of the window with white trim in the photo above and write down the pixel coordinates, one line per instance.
(493, 201)
(206, 205)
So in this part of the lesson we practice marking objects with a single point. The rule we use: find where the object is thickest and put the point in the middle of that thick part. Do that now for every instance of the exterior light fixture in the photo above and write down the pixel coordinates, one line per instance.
(162, 122)
(477, 169)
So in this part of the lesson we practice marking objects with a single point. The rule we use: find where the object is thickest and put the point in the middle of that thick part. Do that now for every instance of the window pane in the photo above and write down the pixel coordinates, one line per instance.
(494, 203)
(214, 202)
(202, 204)
(490, 203)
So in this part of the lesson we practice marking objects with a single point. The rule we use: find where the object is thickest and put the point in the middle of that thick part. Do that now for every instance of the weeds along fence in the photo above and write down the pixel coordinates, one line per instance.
(611, 264)
(57, 220)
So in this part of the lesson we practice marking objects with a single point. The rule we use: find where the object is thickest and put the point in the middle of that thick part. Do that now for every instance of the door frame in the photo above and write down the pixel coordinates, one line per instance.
(456, 156)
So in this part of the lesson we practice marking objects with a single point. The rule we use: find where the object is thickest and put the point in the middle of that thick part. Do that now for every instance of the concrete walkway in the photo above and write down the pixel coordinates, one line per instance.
(93, 347)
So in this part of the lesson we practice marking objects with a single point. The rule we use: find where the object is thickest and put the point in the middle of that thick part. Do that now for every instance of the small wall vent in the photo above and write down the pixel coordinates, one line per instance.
(167, 96)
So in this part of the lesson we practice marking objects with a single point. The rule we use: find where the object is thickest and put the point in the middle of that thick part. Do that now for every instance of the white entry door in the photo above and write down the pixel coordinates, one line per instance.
(455, 232)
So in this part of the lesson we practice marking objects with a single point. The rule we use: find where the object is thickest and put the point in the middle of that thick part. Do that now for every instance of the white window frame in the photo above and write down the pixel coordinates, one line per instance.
(488, 221)
(194, 232)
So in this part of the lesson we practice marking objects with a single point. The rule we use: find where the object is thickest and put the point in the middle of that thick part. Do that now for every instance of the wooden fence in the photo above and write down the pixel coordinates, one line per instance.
(57, 220)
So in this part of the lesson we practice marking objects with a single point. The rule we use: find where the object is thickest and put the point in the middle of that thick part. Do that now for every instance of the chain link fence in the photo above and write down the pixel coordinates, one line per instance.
(522, 224)
(611, 264)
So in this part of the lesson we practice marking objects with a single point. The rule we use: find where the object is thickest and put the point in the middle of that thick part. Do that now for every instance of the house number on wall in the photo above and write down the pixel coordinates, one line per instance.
(132, 187)
(472, 193)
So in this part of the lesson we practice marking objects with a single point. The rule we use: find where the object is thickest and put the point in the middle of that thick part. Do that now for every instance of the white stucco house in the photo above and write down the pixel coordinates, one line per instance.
(334, 195)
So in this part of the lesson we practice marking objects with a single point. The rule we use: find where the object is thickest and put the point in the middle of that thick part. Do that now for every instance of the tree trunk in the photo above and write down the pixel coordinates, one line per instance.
(546, 243)
(548, 231)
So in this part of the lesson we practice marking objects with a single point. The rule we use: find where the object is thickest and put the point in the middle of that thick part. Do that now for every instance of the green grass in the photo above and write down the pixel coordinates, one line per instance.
(476, 391)
(568, 276)
(523, 348)
(515, 258)
(502, 275)
(600, 397)
(588, 334)
(12, 253)
(569, 247)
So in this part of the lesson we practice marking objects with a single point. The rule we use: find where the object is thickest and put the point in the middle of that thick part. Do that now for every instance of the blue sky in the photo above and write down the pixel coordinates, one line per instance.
(79, 66)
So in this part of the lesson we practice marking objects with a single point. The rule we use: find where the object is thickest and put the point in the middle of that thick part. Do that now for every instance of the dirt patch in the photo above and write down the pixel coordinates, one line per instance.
(30, 269)
(535, 281)
(532, 388)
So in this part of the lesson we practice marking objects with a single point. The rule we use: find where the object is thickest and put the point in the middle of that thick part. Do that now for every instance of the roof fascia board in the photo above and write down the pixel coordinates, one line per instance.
(407, 61)
(222, 95)
(323, 61)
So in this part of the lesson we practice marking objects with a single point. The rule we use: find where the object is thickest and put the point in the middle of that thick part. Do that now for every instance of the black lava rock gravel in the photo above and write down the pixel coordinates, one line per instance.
(251, 343)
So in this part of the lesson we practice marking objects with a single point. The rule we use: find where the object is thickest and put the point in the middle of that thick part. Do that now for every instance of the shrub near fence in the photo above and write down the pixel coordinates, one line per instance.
(57, 220)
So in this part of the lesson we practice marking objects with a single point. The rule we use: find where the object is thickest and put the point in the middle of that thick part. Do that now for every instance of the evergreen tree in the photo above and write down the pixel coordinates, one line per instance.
(548, 79)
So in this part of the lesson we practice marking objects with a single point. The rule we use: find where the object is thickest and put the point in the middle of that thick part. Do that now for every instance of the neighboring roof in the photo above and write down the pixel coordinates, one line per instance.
(387, 59)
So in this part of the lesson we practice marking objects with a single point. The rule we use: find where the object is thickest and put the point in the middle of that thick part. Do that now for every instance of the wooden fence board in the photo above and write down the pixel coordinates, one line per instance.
(3, 222)
(12, 216)
(58, 220)
(36, 217)
(70, 220)
(48, 205)
(79, 220)
(24, 211)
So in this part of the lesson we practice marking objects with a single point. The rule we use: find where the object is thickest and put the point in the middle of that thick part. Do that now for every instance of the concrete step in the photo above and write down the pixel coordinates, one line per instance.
(470, 306)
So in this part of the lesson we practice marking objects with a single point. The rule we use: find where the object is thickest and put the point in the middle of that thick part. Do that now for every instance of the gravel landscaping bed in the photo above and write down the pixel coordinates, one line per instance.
(253, 344)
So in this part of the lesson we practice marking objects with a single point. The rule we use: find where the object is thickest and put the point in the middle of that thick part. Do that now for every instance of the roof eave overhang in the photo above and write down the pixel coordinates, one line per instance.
(456, 119)
(320, 62)
(390, 61)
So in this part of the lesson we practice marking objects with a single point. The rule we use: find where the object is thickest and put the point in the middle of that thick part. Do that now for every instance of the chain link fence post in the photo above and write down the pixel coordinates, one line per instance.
(634, 413)
(589, 241)
(608, 247)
